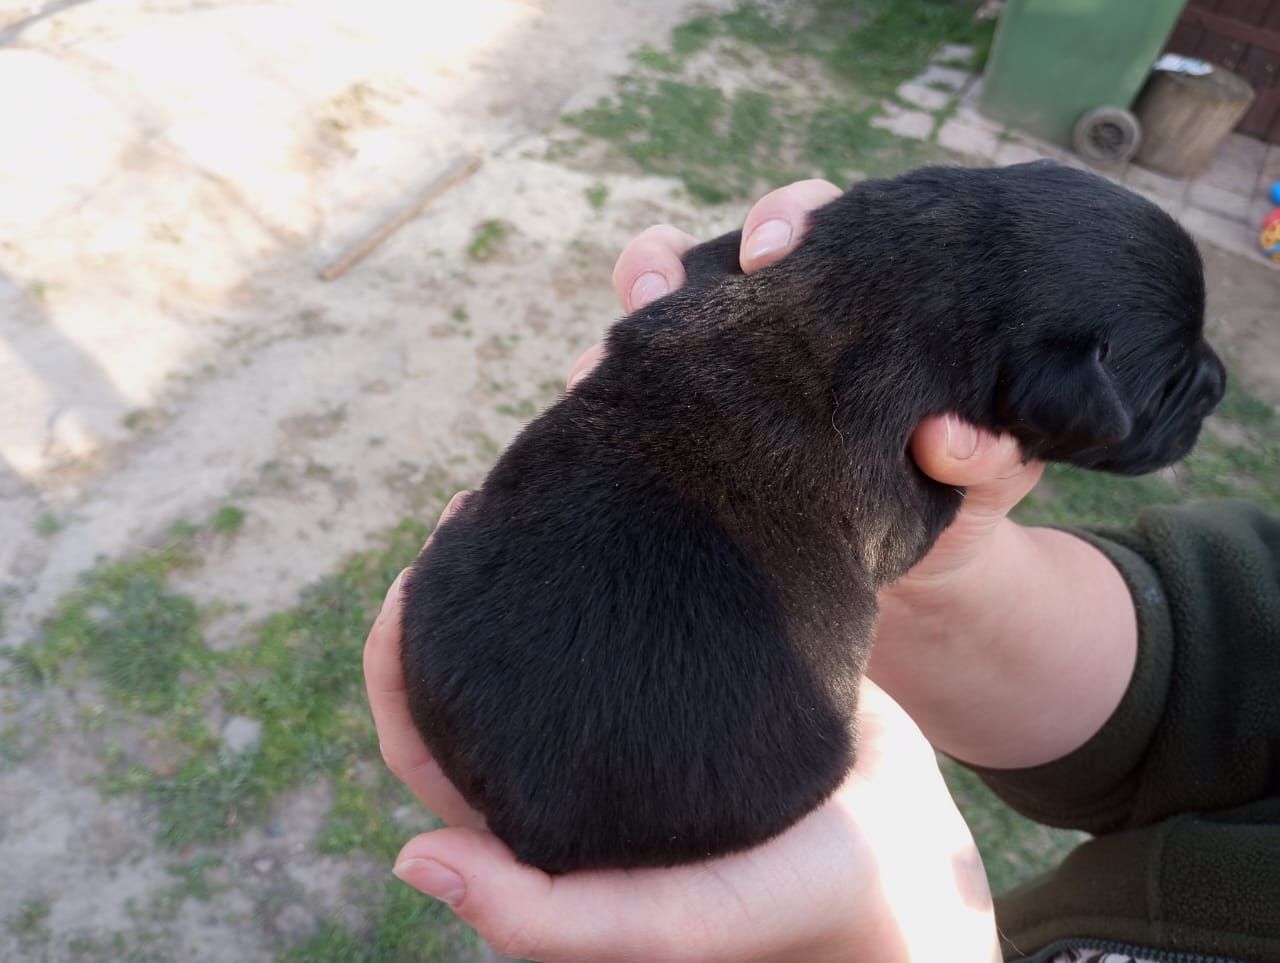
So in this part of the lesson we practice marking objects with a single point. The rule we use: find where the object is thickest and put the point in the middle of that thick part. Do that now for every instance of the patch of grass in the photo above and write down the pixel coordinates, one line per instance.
(138, 945)
(731, 143)
(1013, 848)
(524, 409)
(11, 750)
(655, 59)
(895, 40)
(1245, 408)
(596, 195)
(694, 35)
(210, 798)
(191, 881)
(47, 525)
(487, 239)
(227, 519)
(122, 620)
(29, 923)
(405, 927)
(302, 680)
(460, 315)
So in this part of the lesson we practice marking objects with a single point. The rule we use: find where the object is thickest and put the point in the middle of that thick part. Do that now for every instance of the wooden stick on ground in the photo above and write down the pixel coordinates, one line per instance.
(458, 170)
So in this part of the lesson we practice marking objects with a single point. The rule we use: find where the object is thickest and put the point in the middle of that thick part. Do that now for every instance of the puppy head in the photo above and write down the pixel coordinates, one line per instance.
(1104, 362)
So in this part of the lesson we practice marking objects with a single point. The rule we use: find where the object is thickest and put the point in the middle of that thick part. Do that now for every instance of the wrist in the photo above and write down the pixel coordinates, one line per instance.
(1019, 656)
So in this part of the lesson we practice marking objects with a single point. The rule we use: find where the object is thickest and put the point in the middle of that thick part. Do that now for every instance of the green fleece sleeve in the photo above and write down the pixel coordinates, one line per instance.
(1199, 727)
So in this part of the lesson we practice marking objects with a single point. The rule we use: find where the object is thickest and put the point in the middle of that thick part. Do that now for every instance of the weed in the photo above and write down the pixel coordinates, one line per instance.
(654, 59)
(11, 749)
(404, 927)
(211, 797)
(192, 881)
(596, 195)
(460, 315)
(47, 525)
(28, 924)
(524, 409)
(1239, 405)
(487, 239)
(227, 520)
(124, 621)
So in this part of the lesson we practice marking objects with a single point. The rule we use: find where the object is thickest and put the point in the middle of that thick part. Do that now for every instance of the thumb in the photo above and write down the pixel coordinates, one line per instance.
(588, 916)
(523, 912)
(480, 880)
(990, 467)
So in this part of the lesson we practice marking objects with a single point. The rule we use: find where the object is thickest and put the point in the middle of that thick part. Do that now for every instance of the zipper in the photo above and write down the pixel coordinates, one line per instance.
(1121, 949)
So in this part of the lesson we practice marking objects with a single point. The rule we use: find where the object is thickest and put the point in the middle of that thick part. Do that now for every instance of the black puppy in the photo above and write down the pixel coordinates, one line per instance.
(639, 643)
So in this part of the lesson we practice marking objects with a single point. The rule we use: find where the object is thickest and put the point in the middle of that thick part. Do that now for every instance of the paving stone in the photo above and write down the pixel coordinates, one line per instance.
(1259, 208)
(1235, 165)
(952, 78)
(965, 137)
(1218, 201)
(972, 92)
(1270, 172)
(1017, 152)
(915, 124)
(926, 97)
(954, 53)
(241, 733)
(1233, 236)
(1151, 183)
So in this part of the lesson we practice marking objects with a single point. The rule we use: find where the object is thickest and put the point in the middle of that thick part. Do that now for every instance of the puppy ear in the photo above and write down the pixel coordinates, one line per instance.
(1064, 400)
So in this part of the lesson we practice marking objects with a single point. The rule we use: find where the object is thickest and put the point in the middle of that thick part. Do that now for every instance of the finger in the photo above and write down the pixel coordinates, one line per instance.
(585, 365)
(400, 743)
(779, 219)
(451, 508)
(649, 266)
(990, 467)
(584, 916)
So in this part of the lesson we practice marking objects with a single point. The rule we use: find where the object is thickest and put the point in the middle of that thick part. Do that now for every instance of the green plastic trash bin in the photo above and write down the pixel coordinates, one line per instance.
(1054, 61)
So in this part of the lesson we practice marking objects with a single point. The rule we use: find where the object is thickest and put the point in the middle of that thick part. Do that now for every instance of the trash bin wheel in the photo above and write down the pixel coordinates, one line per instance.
(1106, 136)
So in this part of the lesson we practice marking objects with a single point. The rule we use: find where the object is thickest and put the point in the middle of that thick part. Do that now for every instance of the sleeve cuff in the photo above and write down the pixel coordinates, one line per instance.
(1092, 787)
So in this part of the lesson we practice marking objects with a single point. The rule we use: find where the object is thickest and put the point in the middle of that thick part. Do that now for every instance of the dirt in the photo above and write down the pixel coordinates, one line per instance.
(171, 183)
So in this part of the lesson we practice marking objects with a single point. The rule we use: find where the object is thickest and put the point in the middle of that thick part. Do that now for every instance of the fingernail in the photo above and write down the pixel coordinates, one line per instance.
(434, 879)
(647, 287)
(962, 439)
(768, 237)
(455, 503)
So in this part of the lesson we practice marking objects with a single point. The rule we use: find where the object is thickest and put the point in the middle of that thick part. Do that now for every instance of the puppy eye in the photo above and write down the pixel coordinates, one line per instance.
(1104, 350)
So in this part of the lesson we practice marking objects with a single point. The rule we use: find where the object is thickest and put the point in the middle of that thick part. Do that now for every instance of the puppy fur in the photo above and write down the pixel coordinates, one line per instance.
(639, 643)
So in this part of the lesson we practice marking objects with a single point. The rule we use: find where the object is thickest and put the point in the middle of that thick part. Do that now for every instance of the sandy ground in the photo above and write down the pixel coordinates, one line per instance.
(172, 177)
(170, 186)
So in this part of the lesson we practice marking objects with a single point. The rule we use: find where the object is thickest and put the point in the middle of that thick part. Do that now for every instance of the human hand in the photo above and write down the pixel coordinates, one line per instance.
(885, 870)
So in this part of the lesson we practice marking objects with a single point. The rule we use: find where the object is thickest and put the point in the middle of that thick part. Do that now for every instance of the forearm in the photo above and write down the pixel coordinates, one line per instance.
(1018, 660)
